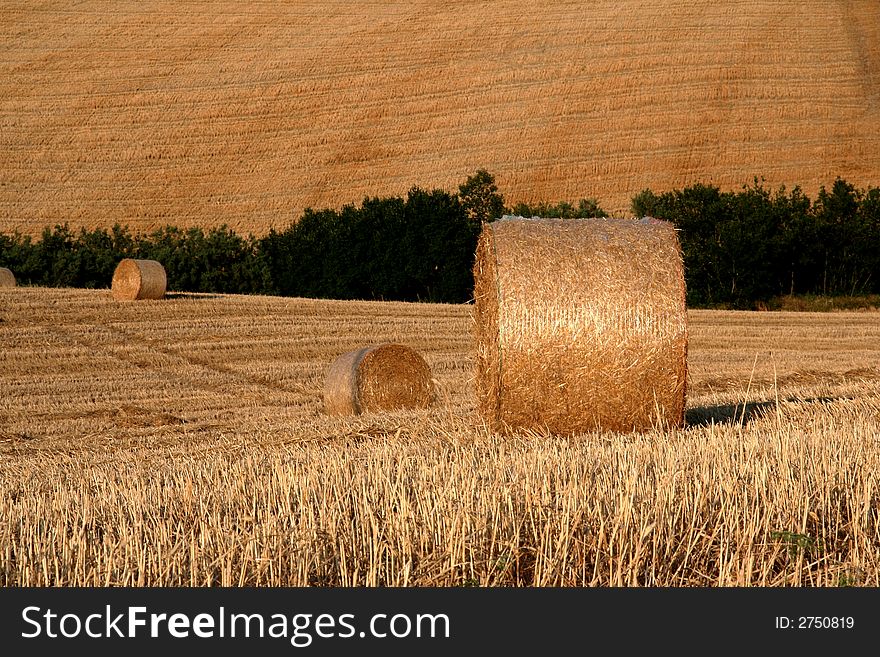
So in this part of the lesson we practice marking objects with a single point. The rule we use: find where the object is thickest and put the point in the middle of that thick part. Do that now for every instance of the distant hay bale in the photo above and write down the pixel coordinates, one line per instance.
(138, 279)
(580, 325)
(384, 377)
(7, 278)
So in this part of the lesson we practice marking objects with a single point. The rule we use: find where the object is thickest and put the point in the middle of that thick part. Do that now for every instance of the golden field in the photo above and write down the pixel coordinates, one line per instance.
(197, 114)
(182, 442)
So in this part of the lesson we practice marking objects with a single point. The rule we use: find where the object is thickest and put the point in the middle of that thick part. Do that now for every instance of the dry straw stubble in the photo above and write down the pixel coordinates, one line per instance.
(580, 325)
(7, 278)
(383, 377)
(421, 498)
(580, 100)
(138, 279)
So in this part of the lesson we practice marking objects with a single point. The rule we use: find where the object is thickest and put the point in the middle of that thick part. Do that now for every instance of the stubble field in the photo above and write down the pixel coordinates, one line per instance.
(158, 112)
(182, 442)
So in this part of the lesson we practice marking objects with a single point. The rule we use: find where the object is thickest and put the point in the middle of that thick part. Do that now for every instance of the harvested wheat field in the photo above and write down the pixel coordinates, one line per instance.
(183, 442)
(158, 112)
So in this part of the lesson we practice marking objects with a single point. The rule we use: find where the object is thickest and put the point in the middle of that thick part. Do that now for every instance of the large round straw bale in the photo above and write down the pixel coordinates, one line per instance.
(383, 377)
(7, 278)
(580, 324)
(138, 279)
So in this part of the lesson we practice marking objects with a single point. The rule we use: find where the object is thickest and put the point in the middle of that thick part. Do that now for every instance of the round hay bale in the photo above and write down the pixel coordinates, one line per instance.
(580, 325)
(7, 278)
(383, 377)
(138, 279)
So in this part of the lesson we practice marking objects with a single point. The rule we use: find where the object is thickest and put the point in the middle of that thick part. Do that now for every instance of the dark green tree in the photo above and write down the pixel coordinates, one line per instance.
(586, 208)
(98, 252)
(869, 218)
(796, 242)
(480, 197)
(439, 246)
(647, 204)
(379, 236)
(845, 239)
(21, 255)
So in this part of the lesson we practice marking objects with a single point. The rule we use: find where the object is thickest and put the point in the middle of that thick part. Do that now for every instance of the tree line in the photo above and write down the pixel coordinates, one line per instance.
(747, 247)
(740, 248)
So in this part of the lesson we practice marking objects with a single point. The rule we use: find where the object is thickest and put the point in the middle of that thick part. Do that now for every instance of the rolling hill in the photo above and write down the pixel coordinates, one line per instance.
(200, 114)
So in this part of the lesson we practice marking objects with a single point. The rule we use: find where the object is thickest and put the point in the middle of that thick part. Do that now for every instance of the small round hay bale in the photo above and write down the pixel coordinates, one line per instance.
(384, 377)
(138, 279)
(580, 325)
(7, 278)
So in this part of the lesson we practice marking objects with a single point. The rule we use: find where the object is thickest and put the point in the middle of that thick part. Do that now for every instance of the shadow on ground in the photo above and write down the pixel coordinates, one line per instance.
(702, 416)
(191, 295)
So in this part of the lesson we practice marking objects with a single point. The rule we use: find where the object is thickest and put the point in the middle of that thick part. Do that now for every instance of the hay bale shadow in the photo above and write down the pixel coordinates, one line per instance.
(702, 416)
(191, 295)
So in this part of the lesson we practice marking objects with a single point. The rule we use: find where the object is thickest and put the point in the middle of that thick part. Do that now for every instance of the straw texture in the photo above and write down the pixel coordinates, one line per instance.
(580, 325)
(138, 279)
(378, 378)
(7, 278)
